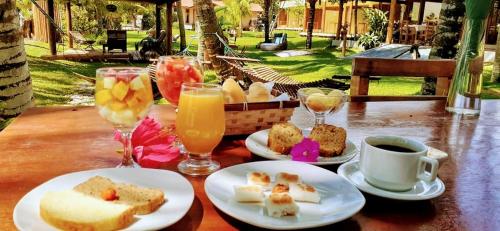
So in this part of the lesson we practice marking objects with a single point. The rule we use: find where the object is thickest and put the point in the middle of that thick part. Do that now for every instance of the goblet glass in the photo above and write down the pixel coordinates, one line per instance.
(123, 96)
(200, 126)
(322, 101)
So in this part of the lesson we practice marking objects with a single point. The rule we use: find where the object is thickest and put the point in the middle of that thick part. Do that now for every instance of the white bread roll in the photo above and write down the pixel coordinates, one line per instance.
(232, 92)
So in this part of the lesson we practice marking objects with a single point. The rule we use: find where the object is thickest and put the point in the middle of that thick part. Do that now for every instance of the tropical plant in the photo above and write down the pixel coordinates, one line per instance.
(369, 41)
(377, 22)
(182, 29)
(495, 75)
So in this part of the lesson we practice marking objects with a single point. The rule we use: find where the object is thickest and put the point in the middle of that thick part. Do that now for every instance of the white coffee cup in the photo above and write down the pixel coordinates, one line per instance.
(395, 170)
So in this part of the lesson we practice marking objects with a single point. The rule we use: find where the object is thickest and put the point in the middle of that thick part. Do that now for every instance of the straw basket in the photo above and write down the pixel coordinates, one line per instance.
(247, 118)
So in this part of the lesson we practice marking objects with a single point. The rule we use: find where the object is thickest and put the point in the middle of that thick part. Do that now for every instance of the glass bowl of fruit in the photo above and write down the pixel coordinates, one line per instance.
(322, 101)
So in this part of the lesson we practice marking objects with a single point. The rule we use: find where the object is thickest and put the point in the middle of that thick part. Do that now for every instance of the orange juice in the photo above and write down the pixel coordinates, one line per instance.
(200, 122)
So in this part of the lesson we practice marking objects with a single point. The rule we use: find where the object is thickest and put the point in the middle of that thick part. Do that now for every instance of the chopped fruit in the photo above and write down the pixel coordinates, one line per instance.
(133, 102)
(125, 75)
(102, 97)
(117, 106)
(143, 95)
(319, 102)
(109, 194)
(105, 112)
(108, 82)
(120, 90)
(136, 84)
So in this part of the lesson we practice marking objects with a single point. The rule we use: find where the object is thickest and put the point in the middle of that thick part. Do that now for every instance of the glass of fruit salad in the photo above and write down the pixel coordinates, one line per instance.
(123, 96)
(172, 72)
(322, 101)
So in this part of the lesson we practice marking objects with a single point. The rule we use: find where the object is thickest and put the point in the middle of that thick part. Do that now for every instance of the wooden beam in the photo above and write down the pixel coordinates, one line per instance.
(390, 26)
(158, 20)
(365, 98)
(168, 28)
(359, 85)
(51, 28)
(69, 23)
(421, 11)
(402, 67)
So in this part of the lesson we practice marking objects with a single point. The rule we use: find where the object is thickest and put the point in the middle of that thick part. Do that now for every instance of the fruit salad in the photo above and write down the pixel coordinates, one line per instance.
(172, 71)
(123, 96)
(322, 100)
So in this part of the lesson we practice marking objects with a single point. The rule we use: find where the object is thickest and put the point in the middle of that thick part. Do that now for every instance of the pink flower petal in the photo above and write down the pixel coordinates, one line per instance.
(307, 151)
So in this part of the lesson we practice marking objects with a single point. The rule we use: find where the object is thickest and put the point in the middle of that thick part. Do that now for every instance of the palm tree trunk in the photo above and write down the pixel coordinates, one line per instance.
(15, 82)
(267, 6)
(495, 76)
(310, 23)
(447, 37)
(208, 26)
(356, 18)
(182, 30)
(341, 14)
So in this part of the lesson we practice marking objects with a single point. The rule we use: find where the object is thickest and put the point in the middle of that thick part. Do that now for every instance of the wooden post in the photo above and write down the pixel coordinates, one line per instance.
(158, 20)
(408, 9)
(359, 85)
(339, 20)
(323, 16)
(442, 85)
(51, 28)
(168, 28)
(69, 23)
(390, 26)
(421, 12)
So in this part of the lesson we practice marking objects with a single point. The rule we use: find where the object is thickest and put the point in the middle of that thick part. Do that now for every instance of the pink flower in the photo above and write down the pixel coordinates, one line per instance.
(152, 145)
(306, 151)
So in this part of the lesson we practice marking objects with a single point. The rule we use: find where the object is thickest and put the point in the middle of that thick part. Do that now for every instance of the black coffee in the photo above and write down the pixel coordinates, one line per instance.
(394, 148)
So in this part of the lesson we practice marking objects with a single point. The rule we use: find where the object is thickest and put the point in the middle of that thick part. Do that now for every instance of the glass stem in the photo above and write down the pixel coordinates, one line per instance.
(320, 119)
(127, 149)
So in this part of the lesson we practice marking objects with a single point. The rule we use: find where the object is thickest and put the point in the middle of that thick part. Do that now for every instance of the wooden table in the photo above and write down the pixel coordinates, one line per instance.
(49, 141)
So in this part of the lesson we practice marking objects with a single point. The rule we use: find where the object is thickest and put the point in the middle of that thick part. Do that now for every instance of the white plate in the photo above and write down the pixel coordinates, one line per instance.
(257, 144)
(339, 198)
(177, 189)
(421, 191)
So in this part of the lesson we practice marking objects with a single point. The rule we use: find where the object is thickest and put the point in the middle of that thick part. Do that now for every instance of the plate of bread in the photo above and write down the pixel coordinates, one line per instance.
(106, 199)
(276, 143)
(283, 194)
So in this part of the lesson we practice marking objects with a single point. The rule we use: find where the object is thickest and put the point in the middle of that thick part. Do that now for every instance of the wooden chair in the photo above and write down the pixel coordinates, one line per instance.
(363, 68)
(117, 39)
(82, 41)
(408, 34)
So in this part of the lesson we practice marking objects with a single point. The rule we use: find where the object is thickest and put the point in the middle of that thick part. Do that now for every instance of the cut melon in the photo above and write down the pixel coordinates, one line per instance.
(102, 97)
(136, 84)
(120, 90)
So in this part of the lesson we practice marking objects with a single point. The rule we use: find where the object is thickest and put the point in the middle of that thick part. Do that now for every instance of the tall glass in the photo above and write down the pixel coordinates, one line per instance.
(123, 96)
(200, 126)
(173, 71)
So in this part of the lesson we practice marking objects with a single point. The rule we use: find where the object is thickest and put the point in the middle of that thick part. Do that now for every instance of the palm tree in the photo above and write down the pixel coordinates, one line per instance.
(495, 76)
(447, 37)
(341, 13)
(356, 18)
(182, 29)
(15, 82)
(234, 11)
(267, 6)
(310, 23)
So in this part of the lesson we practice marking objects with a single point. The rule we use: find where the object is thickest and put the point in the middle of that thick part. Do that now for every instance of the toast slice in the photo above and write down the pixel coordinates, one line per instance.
(283, 136)
(143, 200)
(71, 210)
(331, 139)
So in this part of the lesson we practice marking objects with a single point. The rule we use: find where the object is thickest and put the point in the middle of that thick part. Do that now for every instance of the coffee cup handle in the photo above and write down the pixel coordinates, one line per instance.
(425, 175)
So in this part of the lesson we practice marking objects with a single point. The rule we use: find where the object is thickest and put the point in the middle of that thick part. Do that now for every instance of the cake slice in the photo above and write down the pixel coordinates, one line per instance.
(248, 193)
(283, 136)
(281, 204)
(331, 139)
(143, 200)
(259, 178)
(71, 210)
(304, 192)
(280, 188)
(287, 178)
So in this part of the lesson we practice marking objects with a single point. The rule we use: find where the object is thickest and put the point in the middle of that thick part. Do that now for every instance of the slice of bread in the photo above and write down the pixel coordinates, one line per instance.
(331, 139)
(283, 136)
(143, 200)
(71, 210)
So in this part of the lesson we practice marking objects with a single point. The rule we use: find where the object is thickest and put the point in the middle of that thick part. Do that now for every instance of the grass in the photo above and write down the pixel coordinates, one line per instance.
(55, 81)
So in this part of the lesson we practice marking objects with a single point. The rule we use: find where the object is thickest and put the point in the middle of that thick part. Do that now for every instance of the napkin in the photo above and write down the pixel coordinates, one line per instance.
(152, 144)
(282, 97)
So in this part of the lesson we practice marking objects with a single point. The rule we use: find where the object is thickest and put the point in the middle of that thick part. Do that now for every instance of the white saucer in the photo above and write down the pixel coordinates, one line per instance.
(421, 191)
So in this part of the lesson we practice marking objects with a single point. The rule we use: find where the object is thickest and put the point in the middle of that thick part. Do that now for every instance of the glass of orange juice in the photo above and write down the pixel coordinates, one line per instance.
(200, 125)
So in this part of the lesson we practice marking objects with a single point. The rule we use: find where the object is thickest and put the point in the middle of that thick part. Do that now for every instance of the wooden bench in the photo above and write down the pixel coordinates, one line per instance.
(117, 39)
(363, 68)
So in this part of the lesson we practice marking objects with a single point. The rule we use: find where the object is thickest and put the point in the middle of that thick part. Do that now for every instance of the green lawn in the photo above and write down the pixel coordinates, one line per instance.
(55, 81)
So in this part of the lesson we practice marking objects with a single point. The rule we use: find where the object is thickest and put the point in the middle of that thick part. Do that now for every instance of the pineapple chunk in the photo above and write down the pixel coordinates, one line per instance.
(143, 95)
(133, 102)
(108, 82)
(136, 84)
(102, 97)
(117, 105)
(120, 90)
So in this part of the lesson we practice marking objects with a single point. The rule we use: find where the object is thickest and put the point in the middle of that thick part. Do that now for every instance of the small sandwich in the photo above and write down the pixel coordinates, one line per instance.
(283, 136)
(304, 192)
(248, 193)
(281, 204)
(280, 188)
(259, 178)
(331, 139)
(287, 178)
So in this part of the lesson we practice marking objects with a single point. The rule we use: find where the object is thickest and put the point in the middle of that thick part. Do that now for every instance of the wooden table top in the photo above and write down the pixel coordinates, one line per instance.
(45, 142)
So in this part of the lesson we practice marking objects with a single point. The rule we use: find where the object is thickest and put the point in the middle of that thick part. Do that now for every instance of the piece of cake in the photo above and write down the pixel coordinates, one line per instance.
(143, 200)
(283, 136)
(287, 178)
(304, 192)
(259, 178)
(331, 139)
(248, 193)
(281, 204)
(71, 210)
(280, 188)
